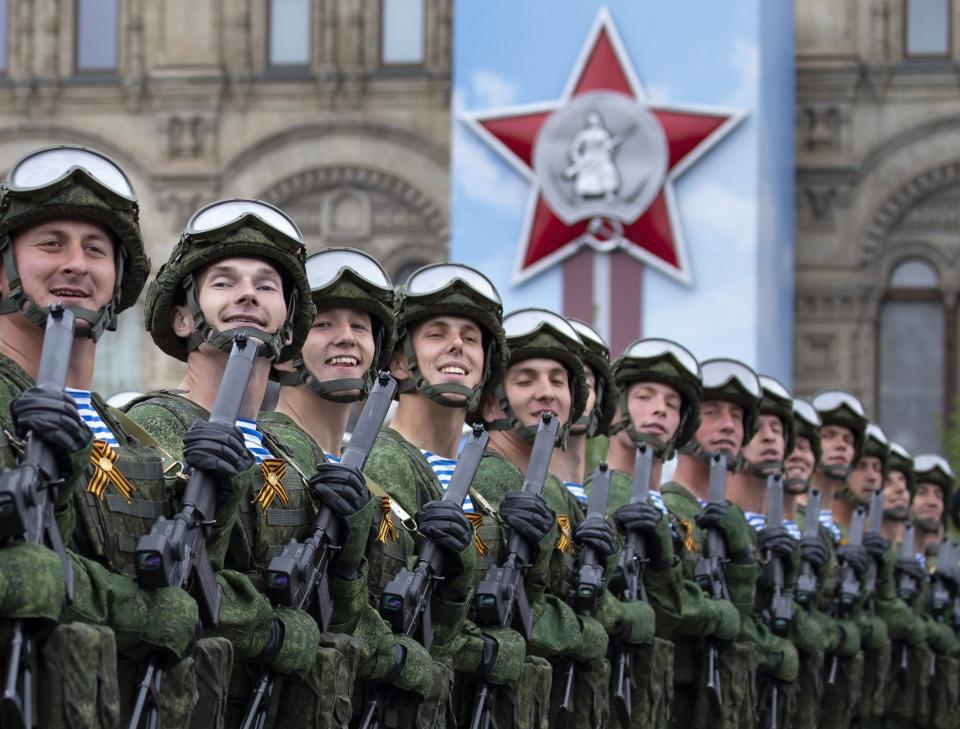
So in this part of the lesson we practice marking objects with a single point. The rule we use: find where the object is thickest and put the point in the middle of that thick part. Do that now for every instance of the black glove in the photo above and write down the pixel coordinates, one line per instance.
(216, 449)
(52, 417)
(445, 524)
(856, 556)
(341, 488)
(596, 533)
(875, 545)
(912, 568)
(529, 515)
(777, 541)
(814, 551)
(735, 531)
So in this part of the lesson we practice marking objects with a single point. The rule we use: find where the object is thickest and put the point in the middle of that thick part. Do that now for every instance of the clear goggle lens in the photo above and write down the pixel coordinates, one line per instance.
(806, 412)
(774, 387)
(47, 166)
(431, 279)
(874, 432)
(899, 450)
(587, 333)
(720, 372)
(326, 267)
(833, 399)
(227, 212)
(930, 462)
(524, 322)
(656, 348)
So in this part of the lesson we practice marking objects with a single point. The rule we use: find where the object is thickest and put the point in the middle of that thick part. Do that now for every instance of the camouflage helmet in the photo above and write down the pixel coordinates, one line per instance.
(455, 290)
(596, 354)
(231, 229)
(934, 469)
(74, 182)
(806, 424)
(350, 279)
(901, 460)
(842, 409)
(775, 401)
(875, 444)
(536, 333)
(664, 361)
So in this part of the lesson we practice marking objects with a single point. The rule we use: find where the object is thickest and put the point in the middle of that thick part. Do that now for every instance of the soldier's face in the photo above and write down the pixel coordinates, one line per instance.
(535, 386)
(721, 427)
(237, 292)
(928, 503)
(867, 477)
(340, 345)
(896, 495)
(654, 409)
(838, 445)
(768, 444)
(591, 379)
(449, 350)
(800, 462)
(66, 259)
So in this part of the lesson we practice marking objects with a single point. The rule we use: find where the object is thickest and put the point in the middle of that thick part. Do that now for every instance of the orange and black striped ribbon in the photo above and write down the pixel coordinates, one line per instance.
(565, 542)
(105, 472)
(477, 521)
(387, 529)
(273, 471)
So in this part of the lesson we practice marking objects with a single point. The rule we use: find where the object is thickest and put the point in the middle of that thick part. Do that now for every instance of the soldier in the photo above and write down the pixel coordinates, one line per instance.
(659, 397)
(351, 337)
(238, 267)
(934, 488)
(450, 350)
(69, 233)
(728, 415)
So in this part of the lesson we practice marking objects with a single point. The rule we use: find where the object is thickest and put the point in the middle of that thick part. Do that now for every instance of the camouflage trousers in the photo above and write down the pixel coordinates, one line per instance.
(944, 688)
(907, 687)
(840, 700)
(652, 686)
(872, 696)
(777, 696)
(404, 710)
(589, 690)
(810, 682)
(524, 706)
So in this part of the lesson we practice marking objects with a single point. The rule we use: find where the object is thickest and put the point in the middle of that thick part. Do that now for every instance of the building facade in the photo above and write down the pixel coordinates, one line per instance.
(878, 208)
(335, 110)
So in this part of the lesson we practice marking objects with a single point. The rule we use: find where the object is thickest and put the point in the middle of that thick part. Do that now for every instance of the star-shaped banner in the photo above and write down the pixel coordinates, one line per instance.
(556, 226)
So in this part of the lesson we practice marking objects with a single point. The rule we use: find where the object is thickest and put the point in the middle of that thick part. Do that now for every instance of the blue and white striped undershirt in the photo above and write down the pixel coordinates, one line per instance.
(443, 468)
(253, 439)
(91, 417)
(759, 521)
(576, 490)
(826, 519)
(656, 499)
(331, 458)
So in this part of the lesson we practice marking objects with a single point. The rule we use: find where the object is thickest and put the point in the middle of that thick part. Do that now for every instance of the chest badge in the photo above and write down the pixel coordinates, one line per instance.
(103, 458)
(272, 470)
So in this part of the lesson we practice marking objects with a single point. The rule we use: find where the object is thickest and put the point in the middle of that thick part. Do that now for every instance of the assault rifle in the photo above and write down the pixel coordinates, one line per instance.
(589, 583)
(907, 590)
(806, 590)
(709, 575)
(174, 553)
(940, 597)
(633, 561)
(501, 599)
(780, 611)
(874, 522)
(27, 499)
(849, 584)
(299, 576)
(405, 602)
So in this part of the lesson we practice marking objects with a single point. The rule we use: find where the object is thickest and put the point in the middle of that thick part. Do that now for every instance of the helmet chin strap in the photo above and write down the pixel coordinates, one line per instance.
(513, 422)
(467, 397)
(834, 471)
(761, 469)
(900, 513)
(693, 448)
(927, 526)
(795, 485)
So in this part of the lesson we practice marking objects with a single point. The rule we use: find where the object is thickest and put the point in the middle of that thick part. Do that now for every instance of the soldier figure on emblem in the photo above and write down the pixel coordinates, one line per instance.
(591, 160)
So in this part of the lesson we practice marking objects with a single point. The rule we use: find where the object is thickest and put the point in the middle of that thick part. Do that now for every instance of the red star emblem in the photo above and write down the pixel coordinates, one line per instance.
(655, 235)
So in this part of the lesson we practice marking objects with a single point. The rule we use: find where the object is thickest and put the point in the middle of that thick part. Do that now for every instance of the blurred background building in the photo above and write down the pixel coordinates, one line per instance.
(339, 112)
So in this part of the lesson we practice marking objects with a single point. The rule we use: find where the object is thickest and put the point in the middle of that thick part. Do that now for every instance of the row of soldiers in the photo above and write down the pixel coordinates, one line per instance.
(215, 556)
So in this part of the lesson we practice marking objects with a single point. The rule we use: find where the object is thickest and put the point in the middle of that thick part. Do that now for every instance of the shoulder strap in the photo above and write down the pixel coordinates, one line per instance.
(186, 411)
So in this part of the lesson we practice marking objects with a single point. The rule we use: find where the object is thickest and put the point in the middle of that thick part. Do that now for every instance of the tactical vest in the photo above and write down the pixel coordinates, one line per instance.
(562, 563)
(264, 525)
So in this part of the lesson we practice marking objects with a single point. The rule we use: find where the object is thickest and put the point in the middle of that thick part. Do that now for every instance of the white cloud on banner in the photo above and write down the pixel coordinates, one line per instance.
(490, 90)
(745, 60)
(719, 214)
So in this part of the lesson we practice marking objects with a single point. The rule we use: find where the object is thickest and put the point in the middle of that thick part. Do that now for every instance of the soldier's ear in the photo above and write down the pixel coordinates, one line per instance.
(181, 320)
(490, 409)
(398, 366)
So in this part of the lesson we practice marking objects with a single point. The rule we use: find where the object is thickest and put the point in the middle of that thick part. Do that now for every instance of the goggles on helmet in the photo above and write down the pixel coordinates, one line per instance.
(875, 433)
(898, 450)
(435, 278)
(774, 388)
(526, 322)
(804, 411)
(927, 462)
(587, 333)
(834, 399)
(657, 348)
(42, 172)
(720, 372)
(212, 222)
(328, 266)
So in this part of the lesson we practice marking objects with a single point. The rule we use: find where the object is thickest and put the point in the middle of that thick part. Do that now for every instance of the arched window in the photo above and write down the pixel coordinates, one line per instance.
(916, 344)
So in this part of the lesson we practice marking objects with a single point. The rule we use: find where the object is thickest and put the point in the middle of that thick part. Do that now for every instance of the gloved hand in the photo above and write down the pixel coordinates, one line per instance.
(445, 524)
(52, 417)
(911, 568)
(216, 449)
(814, 551)
(731, 524)
(596, 533)
(648, 521)
(344, 491)
(856, 556)
(529, 515)
(777, 541)
(875, 545)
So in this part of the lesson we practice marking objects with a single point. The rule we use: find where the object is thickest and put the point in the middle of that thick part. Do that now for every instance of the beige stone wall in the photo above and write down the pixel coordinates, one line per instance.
(358, 152)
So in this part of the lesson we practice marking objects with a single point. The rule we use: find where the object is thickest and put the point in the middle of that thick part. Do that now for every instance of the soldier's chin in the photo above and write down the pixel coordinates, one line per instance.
(899, 513)
(931, 526)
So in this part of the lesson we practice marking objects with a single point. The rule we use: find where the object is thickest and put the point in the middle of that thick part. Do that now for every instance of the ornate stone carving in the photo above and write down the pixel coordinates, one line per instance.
(819, 202)
(821, 128)
(817, 357)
